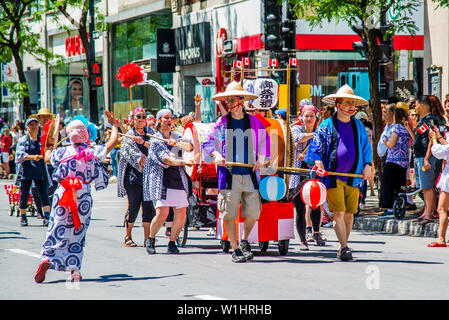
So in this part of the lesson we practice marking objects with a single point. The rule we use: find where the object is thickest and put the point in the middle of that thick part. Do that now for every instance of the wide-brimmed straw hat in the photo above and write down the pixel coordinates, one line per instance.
(344, 92)
(43, 112)
(234, 89)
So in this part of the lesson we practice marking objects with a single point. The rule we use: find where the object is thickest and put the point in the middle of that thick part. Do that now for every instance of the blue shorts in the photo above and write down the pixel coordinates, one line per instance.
(425, 179)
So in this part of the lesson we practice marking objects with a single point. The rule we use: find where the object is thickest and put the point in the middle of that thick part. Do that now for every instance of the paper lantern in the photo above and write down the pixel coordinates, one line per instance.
(272, 188)
(313, 193)
(267, 90)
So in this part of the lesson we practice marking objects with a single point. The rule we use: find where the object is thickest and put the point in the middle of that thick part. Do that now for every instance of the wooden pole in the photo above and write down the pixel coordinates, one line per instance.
(330, 173)
(130, 98)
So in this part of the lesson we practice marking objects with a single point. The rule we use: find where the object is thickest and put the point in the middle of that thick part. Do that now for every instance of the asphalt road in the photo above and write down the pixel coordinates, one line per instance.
(385, 266)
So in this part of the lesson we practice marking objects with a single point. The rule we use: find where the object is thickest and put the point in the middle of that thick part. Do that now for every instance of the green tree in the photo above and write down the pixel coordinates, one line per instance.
(17, 39)
(81, 25)
(368, 14)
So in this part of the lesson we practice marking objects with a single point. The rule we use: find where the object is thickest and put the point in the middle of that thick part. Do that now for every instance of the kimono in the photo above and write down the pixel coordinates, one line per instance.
(218, 141)
(76, 166)
(153, 172)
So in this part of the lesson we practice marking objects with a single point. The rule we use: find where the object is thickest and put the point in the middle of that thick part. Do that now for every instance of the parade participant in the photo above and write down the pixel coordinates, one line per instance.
(75, 165)
(165, 181)
(43, 115)
(238, 137)
(282, 113)
(302, 134)
(133, 154)
(441, 151)
(31, 168)
(340, 144)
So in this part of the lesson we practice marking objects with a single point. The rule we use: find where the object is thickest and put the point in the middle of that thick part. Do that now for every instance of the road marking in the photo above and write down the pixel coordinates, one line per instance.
(24, 252)
(208, 297)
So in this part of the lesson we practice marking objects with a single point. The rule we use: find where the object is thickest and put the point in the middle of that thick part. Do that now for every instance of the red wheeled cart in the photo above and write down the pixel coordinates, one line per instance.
(13, 193)
(275, 223)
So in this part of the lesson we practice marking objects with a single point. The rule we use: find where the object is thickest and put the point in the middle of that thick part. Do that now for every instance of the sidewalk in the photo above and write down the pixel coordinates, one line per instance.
(368, 220)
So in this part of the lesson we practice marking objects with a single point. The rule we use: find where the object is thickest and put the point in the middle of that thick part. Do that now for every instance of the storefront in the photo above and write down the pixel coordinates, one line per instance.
(69, 82)
(136, 40)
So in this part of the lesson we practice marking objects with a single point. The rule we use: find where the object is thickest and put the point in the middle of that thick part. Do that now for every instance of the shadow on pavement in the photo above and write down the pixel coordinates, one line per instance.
(117, 278)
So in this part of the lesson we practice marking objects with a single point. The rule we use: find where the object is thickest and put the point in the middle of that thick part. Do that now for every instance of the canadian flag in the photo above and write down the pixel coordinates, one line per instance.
(273, 63)
(293, 62)
(246, 61)
(237, 64)
(423, 128)
(319, 171)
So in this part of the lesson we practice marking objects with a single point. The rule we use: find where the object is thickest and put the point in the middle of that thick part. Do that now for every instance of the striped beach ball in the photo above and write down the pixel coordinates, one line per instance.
(272, 188)
(313, 193)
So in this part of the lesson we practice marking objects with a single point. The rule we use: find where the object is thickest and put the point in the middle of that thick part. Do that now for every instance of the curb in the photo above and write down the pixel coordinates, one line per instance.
(393, 226)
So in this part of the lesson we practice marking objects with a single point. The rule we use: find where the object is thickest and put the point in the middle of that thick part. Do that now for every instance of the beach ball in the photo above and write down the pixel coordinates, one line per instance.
(272, 188)
(313, 193)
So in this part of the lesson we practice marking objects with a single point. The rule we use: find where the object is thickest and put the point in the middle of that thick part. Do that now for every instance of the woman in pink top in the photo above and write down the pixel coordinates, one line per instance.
(5, 145)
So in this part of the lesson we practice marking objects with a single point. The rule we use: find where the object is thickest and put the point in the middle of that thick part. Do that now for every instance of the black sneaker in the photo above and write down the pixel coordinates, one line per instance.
(45, 222)
(344, 254)
(149, 245)
(246, 249)
(238, 256)
(319, 240)
(172, 248)
(23, 222)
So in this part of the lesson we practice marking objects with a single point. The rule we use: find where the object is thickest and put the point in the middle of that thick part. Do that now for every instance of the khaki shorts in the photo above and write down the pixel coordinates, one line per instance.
(228, 201)
(343, 198)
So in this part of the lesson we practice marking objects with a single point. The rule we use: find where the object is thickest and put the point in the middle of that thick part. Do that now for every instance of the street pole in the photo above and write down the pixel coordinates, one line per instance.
(92, 91)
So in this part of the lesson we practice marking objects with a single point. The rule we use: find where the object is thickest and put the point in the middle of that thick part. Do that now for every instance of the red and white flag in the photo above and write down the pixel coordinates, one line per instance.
(293, 62)
(423, 128)
(237, 64)
(246, 61)
(320, 172)
(273, 63)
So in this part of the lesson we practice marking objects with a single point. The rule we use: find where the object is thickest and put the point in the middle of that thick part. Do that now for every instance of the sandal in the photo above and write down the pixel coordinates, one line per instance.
(425, 221)
(129, 242)
(437, 245)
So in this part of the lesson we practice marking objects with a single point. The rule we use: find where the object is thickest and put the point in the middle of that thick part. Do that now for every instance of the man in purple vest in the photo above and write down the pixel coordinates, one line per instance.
(238, 137)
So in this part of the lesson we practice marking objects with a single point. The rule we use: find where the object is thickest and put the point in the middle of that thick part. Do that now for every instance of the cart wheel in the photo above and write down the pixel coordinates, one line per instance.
(225, 245)
(399, 208)
(183, 238)
(283, 247)
(263, 246)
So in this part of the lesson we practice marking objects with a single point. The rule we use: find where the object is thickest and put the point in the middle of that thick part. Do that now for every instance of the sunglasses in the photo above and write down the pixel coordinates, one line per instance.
(413, 115)
(139, 117)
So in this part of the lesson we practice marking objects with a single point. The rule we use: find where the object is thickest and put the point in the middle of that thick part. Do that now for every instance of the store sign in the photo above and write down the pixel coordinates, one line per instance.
(206, 81)
(73, 46)
(193, 44)
(222, 36)
(403, 89)
(228, 47)
(166, 59)
(434, 76)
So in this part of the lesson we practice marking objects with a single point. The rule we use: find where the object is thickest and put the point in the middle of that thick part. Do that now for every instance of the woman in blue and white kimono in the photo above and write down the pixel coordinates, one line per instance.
(165, 181)
(76, 166)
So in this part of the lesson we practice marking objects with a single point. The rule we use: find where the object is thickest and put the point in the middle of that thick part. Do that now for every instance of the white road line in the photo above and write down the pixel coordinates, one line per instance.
(24, 252)
(208, 297)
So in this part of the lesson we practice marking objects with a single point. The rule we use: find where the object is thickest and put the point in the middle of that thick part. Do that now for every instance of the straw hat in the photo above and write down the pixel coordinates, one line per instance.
(234, 89)
(344, 92)
(43, 112)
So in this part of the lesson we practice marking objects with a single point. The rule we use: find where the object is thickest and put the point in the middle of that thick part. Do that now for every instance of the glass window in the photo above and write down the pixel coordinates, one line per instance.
(136, 40)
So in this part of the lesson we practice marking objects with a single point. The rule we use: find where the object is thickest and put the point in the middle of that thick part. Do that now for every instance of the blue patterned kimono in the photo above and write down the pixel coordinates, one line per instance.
(63, 246)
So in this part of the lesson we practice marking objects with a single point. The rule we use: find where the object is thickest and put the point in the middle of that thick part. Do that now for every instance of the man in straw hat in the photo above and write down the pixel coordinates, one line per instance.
(43, 115)
(238, 137)
(340, 144)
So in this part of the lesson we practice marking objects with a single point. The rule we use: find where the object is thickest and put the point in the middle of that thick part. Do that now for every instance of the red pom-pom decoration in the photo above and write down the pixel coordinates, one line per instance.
(130, 74)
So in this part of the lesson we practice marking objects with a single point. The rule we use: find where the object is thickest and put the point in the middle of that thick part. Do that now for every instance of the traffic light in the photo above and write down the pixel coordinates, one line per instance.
(288, 35)
(273, 32)
(386, 51)
(360, 46)
(96, 79)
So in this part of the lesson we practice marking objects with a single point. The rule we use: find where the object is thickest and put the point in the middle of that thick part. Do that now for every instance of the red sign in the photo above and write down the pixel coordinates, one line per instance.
(222, 36)
(73, 46)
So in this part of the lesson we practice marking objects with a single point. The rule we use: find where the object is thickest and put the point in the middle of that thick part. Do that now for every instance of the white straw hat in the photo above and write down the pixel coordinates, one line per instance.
(344, 92)
(234, 89)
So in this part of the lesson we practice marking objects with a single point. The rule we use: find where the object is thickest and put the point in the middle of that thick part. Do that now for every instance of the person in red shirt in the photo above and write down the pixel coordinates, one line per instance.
(5, 145)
